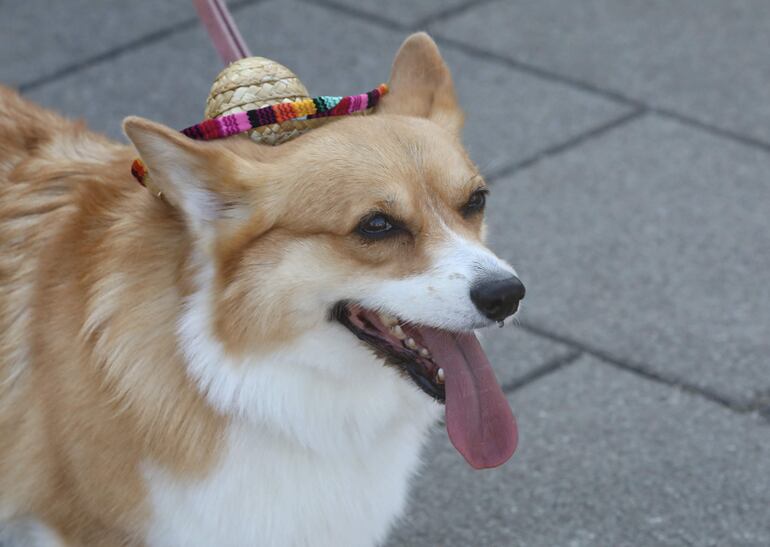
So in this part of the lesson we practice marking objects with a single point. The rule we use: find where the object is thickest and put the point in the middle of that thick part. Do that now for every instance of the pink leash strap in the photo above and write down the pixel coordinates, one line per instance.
(222, 30)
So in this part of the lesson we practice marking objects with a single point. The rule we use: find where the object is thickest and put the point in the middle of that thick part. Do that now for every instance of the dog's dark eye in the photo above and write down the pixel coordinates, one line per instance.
(376, 225)
(475, 203)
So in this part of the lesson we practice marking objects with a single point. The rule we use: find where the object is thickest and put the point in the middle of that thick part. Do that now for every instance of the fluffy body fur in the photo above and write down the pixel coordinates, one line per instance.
(169, 373)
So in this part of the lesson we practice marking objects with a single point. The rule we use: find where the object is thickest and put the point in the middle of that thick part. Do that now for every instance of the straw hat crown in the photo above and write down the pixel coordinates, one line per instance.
(255, 82)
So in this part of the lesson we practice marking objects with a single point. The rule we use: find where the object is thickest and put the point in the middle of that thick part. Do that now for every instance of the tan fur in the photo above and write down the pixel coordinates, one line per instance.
(92, 277)
(94, 271)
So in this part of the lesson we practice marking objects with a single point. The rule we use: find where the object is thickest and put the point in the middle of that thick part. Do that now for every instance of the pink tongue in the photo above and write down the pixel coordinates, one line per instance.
(479, 420)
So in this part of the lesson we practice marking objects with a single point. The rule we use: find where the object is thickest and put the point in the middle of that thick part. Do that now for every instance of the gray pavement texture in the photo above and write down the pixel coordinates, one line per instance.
(628, 148)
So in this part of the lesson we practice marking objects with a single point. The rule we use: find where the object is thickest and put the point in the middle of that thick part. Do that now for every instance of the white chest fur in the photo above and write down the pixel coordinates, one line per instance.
(266, 492)
(322, 442)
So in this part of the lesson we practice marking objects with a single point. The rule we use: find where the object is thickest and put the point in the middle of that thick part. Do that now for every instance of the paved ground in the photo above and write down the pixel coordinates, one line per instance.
(631, 188)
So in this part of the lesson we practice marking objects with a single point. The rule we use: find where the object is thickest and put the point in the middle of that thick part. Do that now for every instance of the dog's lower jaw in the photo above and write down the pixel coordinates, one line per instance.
(322, 442)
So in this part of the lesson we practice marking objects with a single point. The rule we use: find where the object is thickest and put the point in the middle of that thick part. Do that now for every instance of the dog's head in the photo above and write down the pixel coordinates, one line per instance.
(373, 224)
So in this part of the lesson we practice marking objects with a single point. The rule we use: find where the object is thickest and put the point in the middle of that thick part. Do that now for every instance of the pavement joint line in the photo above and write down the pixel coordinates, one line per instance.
(137, 43)
(549, 367)
(710, 128)
(636, 368)
(761, 404)
(568, 144)
(358, 13)
(541, 73)
(449, 12)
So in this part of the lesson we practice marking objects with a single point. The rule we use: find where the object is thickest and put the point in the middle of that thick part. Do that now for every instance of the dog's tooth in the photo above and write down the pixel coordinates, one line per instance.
(398, 332)
(387, 320)
(424, 352)
(440, 376)
(410, 343)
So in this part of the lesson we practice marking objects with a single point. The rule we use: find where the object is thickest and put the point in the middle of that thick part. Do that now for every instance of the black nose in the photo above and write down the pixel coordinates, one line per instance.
(499, 298)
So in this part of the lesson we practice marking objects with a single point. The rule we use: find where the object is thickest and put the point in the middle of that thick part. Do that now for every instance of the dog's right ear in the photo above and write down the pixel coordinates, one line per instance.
(192, 175)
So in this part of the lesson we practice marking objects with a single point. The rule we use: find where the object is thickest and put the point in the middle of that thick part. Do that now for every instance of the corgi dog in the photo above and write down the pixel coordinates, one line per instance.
(255, 359)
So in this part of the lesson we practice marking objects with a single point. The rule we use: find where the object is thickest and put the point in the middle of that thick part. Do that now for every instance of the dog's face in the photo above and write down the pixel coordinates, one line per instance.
(373, 223)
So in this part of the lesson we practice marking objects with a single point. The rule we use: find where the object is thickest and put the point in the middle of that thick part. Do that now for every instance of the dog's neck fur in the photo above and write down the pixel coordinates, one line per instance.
(290, 388)
(322, 421)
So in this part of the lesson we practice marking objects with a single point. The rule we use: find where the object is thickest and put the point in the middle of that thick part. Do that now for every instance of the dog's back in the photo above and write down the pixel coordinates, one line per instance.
(28, 206)
(39, 154)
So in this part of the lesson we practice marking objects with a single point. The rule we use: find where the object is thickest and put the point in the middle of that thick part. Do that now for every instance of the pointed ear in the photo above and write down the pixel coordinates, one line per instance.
(192, 175)
(421, 85)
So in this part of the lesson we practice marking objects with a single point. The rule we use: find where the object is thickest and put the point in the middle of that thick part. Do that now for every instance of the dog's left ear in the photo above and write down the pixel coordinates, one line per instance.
(421, 85)
(193, 176)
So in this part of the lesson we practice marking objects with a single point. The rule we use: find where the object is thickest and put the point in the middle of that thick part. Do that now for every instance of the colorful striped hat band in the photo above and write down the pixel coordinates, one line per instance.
(241, 122)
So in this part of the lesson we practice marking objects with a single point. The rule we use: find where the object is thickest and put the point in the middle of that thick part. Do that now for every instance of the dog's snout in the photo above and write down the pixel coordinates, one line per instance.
(498, 298)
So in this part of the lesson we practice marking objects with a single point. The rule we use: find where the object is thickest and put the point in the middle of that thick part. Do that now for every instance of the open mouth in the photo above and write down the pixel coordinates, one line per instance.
(399, 344)
(449, 366)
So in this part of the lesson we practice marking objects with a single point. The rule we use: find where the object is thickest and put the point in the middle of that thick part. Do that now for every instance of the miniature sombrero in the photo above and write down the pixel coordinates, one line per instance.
(253, 83)
(273, 104)
(248, 83)
(258, 96)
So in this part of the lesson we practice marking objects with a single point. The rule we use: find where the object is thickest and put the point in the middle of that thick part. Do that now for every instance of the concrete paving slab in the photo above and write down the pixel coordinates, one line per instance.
(605, 459)
(40, 37)
(169, 82)
(704, 58)
(650, 242)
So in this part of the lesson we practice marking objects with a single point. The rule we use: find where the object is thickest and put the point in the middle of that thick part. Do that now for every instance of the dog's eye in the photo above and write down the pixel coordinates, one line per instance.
(475, 203)
(376, 225)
